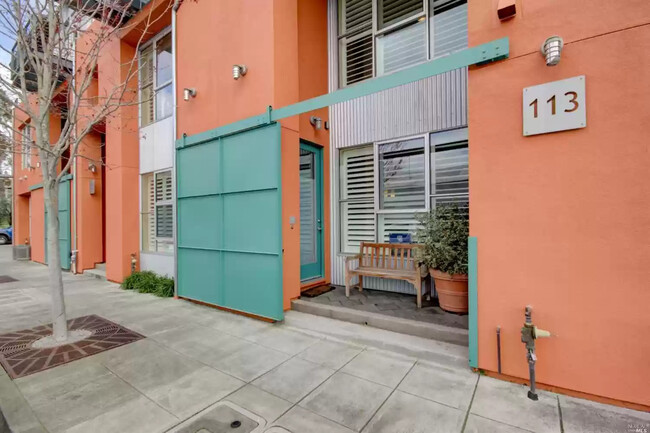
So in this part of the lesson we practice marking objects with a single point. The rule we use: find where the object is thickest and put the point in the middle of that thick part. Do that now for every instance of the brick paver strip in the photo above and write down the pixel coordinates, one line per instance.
(19, 359)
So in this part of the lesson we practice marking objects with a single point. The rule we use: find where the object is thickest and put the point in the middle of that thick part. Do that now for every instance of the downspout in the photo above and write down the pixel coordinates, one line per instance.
(177, 4)
(73, 213)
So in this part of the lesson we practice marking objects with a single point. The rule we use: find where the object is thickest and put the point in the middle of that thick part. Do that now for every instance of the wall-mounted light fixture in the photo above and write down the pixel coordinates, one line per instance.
(552, 49)
(239, 71)
(92, 167)
(316, 122)
(189, 92)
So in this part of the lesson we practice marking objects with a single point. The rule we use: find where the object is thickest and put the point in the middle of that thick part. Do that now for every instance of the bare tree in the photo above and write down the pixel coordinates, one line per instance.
(58, 44)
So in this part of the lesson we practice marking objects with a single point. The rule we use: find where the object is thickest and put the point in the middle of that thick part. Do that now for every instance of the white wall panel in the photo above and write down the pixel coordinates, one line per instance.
(161, 264)
(157, 146)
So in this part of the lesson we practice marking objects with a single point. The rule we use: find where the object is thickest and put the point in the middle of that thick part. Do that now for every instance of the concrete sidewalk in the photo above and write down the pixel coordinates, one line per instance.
(307, 375)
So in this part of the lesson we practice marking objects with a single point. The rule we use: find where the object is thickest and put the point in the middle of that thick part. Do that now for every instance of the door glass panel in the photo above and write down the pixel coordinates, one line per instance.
(307, 208)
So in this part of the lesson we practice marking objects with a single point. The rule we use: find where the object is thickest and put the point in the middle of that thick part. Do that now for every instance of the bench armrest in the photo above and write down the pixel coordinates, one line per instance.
(348, 259)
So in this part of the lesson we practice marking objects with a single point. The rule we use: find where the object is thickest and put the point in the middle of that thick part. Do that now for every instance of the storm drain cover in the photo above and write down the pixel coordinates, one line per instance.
(223, 417)
(6, 279)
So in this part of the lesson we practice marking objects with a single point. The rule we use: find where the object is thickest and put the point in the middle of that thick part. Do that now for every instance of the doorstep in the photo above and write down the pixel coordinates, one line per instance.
(431, 331)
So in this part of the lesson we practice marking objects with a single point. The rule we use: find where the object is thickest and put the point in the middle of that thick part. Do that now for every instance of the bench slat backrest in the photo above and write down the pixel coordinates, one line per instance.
(388, 256)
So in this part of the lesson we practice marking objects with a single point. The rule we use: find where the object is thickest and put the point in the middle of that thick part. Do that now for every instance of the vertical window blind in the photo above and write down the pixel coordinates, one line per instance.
(355, 46)
(357, 195)
(157, 212)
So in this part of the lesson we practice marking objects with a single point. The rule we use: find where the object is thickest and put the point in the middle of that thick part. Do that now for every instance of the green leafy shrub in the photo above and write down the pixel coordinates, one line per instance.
(149, 282)
(444, 233)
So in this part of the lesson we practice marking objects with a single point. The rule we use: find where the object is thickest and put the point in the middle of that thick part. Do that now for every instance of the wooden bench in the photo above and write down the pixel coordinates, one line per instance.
(394, 261)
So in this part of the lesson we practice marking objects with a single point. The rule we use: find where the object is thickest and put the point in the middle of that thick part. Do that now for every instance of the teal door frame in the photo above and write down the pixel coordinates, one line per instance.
(316, 269)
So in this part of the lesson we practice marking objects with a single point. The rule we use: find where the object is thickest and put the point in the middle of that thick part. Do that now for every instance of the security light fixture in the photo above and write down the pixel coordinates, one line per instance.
(551, 50)
(239, 71)
(92, 167)
(187, 92)
(316, 122)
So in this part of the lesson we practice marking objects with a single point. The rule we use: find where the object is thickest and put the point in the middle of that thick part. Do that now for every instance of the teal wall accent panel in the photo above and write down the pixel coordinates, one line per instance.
(201, 270)
(248, 156)
(200, 216)
(247, 223)
(472, 245)
(251, 296)
(200, 176)
(229, 231)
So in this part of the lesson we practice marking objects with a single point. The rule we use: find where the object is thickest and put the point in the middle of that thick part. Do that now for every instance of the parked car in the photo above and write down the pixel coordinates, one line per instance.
(6, 236)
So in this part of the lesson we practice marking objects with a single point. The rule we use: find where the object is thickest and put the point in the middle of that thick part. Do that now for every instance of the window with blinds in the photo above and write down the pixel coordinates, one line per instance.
(448, 27)
(157, 212)
(26, 144)
(393, 11)
(407, 32)
(357, 205)
(146, 86)
(404, 176)
(355, 44)
(156, 97)
(449, 162)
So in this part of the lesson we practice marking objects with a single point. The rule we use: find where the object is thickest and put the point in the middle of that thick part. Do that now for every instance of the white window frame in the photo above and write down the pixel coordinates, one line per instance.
(26, 147)
(155, 86)
(157, 203)
(377, 32)
(446, 136)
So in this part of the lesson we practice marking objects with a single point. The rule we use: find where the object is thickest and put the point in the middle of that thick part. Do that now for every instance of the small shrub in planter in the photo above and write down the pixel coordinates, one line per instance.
(444, 232)
(149, 282)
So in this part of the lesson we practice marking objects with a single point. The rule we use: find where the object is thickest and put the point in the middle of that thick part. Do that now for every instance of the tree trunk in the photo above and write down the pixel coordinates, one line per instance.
(59, 320)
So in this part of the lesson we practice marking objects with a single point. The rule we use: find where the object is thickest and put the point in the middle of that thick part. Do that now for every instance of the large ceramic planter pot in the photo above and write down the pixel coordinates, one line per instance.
(452, 291)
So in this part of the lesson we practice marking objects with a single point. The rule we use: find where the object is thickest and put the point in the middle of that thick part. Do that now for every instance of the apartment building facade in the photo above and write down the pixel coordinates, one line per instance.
(246, 212)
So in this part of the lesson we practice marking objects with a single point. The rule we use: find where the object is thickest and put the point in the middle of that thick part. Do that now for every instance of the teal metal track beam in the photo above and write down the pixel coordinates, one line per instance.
(40, 185)
(481, 54)
(472, 246)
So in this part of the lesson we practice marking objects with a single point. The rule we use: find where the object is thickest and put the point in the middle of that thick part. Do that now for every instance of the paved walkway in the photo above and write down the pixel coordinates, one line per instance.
(390, 304)
(308, 375)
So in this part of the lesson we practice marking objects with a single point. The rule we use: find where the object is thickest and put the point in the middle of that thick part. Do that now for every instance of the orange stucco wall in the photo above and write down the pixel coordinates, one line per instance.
(284, 44)
(122, 164)
(562, 219)
(89, 206)
(24, 179)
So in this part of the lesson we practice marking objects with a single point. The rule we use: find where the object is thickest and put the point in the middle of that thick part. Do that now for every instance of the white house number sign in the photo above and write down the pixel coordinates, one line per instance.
(555, 106)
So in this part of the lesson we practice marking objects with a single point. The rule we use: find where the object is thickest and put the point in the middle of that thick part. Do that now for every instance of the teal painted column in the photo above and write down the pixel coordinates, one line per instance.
(473, 300)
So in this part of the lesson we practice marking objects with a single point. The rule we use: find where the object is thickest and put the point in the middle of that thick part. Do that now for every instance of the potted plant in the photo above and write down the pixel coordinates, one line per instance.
(443, 234)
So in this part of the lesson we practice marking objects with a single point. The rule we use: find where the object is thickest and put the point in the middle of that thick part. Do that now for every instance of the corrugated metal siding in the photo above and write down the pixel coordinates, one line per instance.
(433, 104)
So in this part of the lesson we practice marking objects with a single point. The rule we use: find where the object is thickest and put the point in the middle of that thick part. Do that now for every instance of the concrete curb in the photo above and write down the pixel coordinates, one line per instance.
(395, 324)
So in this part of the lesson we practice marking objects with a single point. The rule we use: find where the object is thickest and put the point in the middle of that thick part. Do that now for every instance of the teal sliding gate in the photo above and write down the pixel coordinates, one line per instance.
(64, 224)
(229, 222)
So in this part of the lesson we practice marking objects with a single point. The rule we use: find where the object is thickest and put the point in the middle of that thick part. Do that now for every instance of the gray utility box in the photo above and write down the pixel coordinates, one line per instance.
(22, 252)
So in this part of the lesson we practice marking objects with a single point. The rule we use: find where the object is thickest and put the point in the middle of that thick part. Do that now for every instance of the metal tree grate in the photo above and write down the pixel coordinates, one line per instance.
(19, 358)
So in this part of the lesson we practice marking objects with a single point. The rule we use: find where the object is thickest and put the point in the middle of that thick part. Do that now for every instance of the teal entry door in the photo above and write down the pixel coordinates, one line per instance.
(311, 212)
(64, 224)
